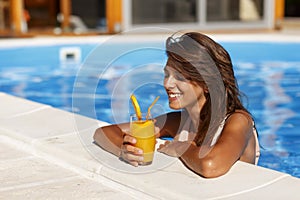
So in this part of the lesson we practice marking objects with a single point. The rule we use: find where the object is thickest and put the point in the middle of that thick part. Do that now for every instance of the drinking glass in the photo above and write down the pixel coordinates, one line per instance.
(143, 131)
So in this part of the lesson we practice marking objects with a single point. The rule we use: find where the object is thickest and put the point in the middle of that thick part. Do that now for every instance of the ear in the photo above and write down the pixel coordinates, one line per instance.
(205, 89)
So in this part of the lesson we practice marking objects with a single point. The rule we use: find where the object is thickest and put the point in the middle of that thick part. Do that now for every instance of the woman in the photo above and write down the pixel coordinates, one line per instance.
(211, 129)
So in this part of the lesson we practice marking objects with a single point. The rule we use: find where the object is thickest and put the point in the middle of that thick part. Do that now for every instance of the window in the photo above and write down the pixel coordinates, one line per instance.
(163, 11)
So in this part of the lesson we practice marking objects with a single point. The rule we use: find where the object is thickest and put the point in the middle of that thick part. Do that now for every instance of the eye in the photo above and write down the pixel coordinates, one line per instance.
(166, 74)
(180, 77)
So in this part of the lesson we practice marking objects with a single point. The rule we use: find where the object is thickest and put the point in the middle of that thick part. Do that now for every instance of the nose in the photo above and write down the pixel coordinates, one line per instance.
(169, 82)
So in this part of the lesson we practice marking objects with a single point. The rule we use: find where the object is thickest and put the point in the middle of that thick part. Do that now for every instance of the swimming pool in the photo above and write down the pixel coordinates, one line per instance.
(55, 74)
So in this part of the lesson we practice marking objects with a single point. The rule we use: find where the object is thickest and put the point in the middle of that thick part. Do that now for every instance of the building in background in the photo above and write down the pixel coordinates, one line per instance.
(112, 16)
(199, 14)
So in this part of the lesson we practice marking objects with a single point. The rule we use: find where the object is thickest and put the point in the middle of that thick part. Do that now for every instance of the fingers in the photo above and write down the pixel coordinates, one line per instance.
(128, 139)
(175, 148)
(132, 149)
(161, 146)
(130, 153)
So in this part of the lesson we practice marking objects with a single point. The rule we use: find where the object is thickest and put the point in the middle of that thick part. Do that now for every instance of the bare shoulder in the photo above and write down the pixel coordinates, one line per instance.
(240, 117)
(238, 126)
(238, 134)
(241, 129)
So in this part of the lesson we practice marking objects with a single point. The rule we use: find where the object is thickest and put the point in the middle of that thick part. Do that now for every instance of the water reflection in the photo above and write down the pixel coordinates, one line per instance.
(279, 117)
(275, 114)
(272, 89)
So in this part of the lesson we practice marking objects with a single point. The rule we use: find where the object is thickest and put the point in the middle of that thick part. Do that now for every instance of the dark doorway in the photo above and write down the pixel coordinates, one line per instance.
(91, 12)
(292, 8)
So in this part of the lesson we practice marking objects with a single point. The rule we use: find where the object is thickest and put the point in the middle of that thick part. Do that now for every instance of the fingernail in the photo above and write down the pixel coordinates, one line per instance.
(141, 158)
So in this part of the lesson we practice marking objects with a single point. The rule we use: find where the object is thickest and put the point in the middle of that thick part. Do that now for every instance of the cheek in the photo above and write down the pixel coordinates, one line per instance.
(186, 87)
(199, 92)
(194, 92)
(165, 81)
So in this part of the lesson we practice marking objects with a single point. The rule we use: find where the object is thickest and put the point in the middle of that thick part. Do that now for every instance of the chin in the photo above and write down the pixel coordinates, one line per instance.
(174, 107)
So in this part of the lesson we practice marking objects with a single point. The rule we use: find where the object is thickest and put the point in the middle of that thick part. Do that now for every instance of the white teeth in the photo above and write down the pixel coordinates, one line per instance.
(174, 95)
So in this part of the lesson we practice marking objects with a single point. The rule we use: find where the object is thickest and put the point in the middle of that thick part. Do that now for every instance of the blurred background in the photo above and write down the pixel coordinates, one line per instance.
(21, 18)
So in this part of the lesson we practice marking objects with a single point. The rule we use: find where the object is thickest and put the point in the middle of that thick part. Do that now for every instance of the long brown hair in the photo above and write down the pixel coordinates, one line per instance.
(206, 63)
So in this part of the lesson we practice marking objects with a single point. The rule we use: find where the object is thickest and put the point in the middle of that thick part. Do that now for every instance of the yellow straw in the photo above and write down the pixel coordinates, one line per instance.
(148, 113)
(136, 107)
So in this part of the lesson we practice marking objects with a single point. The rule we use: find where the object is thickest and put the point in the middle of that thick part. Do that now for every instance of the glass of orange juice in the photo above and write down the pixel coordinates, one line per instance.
(143, 130)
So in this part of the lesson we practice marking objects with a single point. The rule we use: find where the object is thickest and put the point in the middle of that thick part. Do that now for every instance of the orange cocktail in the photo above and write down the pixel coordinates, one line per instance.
(143, 131)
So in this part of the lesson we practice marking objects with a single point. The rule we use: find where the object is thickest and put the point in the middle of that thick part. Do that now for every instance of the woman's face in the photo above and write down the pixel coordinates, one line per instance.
(182, 93)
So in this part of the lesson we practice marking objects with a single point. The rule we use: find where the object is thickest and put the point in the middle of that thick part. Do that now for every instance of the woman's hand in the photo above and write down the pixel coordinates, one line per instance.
(174, 148)
(130, 153)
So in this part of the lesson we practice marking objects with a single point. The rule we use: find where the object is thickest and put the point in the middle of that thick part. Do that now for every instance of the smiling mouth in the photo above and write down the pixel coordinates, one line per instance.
(174, 95)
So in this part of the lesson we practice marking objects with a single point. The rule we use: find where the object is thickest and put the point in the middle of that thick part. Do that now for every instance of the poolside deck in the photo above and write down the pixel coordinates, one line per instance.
(44, 155)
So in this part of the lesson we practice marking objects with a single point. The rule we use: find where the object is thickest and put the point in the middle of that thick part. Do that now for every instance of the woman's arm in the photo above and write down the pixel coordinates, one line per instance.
(228, 149)
(117, 140)
(111, 137)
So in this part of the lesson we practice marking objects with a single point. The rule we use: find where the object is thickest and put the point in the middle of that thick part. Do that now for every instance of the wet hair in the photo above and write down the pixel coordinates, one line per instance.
(206, 63)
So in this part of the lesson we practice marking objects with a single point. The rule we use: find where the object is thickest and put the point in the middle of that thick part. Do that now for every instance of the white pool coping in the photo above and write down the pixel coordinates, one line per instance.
(64, 140)
(98, 39)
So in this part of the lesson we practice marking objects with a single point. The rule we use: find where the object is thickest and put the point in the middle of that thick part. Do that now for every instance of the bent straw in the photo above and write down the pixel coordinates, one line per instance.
(136, 107)
(152, 104)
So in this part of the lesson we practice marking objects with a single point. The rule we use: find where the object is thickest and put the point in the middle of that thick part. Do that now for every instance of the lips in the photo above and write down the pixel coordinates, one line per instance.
(173, 96)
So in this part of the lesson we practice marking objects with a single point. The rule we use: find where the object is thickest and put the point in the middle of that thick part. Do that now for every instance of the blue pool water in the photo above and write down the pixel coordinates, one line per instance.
(98, 84)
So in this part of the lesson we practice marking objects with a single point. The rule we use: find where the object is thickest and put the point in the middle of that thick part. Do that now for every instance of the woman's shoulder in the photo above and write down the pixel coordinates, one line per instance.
(240, 114)
(239, 119)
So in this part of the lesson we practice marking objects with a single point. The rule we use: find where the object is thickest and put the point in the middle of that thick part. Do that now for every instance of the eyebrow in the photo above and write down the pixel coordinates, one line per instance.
(174, 71)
